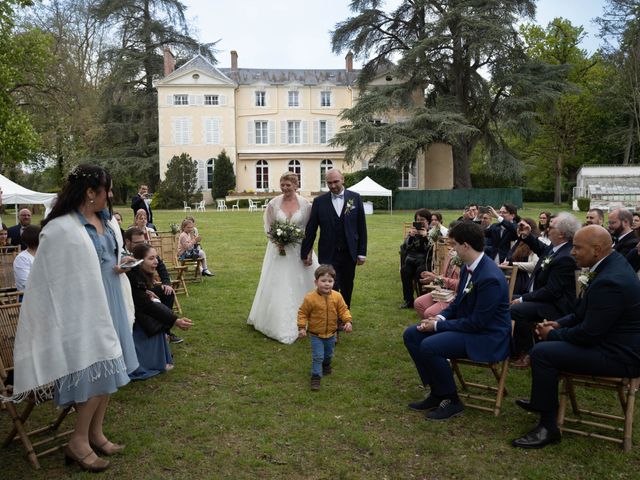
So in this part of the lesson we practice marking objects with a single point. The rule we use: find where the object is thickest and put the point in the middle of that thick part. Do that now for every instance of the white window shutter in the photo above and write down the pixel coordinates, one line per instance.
(192, 99)
(316, 132)
(266, 100)
(175, 128)
(272, 132)
(169, 99)
(187, 135)
(202, 174)
(305, 134)
(251, 132)
(283, 132)
(222, 99)
(205, 131)
(219, 126)
(331, 129)
(215, 130)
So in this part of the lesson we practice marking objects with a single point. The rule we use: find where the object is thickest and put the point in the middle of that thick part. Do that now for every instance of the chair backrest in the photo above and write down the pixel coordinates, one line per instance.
(221, 203)
(10, 297)
(7, 280)
(405, 229)
(511, 274)
(9, 315)
(440, 254)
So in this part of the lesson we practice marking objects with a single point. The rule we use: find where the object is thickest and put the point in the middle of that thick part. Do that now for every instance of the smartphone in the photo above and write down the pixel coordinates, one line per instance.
(131, 264)
(418, 225)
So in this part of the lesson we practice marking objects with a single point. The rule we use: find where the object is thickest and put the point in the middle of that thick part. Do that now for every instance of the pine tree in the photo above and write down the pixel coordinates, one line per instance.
(180, 184)
(223, 177)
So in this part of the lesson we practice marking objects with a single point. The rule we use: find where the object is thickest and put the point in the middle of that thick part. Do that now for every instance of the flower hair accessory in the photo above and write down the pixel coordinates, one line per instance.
(77, 172)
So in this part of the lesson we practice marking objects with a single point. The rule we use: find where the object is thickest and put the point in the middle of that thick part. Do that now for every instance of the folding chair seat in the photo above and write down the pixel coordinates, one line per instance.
(164, 245)
(622, 425)
(495, 393)
(53, 438)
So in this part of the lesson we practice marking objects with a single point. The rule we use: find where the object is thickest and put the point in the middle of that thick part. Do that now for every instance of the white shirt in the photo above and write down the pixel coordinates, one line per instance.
(21, 268)
(338, 203)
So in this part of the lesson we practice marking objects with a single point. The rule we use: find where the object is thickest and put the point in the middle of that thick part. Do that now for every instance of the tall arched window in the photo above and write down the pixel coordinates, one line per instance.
(408, 177)
(262, 175)
(296, 167)
(210, 174)
(325, 166)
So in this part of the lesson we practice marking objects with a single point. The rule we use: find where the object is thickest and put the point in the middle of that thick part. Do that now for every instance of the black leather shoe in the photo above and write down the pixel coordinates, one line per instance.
(539, 437)
(407, 305)
(428, 403)
(446, 410)
(526, 405)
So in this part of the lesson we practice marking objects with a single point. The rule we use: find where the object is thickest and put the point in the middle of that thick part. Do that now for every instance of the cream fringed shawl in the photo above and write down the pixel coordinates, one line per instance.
(65, 325)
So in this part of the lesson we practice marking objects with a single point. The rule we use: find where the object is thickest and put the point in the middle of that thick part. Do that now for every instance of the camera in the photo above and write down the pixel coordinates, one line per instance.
(418, 225)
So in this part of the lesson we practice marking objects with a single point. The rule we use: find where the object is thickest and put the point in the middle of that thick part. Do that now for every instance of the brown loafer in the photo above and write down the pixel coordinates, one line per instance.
(523, 362)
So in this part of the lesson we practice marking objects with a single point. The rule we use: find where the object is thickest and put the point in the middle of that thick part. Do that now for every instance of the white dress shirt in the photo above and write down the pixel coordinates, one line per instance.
(338, 203)
(21, 268)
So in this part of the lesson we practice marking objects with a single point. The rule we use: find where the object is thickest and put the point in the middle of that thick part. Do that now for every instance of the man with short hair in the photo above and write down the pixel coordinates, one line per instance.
(476, 325)
(601, 338)
(140, 201)
(595, 216)
(624, 239)
(15, 233)
(551, 291)
(24, 260)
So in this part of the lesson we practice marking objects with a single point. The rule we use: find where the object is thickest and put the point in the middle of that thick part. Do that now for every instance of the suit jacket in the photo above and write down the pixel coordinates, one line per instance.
(137, 203)
(553, 281)
(15, 237)
(323, 215)
(607, 314)
(634, 259)
(500, 241)
(628, 243)
(482, 314)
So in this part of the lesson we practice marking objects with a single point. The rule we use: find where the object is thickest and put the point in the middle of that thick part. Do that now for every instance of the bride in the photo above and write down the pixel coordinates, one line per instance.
(284, 280)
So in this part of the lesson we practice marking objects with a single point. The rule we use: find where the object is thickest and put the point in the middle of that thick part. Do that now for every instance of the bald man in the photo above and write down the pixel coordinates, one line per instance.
(15, 232)
(602, 337)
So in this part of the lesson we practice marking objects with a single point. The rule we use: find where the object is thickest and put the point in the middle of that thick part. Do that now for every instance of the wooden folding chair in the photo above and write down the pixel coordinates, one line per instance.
(186, 264)
(9, 314)
(10, 297)
(626, 389)
(7, 255)
(511, 274)
(163, 244)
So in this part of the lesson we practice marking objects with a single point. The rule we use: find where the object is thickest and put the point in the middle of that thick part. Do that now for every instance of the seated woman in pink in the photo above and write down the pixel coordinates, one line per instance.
(425, 306)
(189, 246)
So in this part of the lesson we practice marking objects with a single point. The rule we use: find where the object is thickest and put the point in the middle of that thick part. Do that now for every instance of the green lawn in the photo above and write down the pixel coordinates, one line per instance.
(238, 405)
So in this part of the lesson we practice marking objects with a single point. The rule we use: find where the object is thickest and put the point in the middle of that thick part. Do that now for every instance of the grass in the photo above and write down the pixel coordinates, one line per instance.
(238, 405)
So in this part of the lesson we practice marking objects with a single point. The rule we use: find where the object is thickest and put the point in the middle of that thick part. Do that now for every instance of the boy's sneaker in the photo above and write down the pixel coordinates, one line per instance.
(315, 383)
(173, 338)
(326, 369)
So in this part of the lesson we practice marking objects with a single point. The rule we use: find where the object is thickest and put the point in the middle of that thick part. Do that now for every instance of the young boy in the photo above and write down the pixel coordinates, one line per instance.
(320, 311)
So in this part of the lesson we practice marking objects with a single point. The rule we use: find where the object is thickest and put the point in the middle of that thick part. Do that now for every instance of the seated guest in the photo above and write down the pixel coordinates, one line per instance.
(152, 319)
(425, 306)
(551, 291)
(468, 214)
(524, 258)
(436, 222)
(624, 239)
(189, 246)
(22, 263)
(633, 257)
(475, 326)
(602, 337)
(118, 218)
(595, 216)
(544, 220)
(415, 255)
(502, 233)
(15, 232)
(141, 222)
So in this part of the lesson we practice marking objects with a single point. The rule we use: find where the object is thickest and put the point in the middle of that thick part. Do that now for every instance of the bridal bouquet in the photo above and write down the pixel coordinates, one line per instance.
(284, 233)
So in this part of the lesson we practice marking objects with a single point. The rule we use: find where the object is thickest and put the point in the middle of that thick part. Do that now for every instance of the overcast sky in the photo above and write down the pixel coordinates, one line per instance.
(295, 33)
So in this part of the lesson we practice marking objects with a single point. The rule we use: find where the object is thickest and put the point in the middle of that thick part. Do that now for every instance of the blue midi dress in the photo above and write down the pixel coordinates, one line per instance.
(76, 389)
(153, 354)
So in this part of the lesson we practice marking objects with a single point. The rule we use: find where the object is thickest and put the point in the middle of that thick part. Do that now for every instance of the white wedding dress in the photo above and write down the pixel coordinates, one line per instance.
(284, 280)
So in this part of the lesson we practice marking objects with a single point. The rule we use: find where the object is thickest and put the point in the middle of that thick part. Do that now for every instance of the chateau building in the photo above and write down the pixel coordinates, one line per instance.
(268, 121)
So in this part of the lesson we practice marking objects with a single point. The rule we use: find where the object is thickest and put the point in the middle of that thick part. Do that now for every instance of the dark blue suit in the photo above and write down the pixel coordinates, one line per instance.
(602, 337)
(478, 327)
(500, 235)
(342, 238)
(14, 235)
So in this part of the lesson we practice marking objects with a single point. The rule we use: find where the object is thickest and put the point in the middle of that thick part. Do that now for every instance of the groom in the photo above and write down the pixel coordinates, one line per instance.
(343, 232)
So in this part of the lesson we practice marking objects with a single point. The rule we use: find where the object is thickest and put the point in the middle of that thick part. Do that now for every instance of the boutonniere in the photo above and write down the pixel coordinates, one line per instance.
(468, 288)
(546, 262)
(348, 206)
(585, 279)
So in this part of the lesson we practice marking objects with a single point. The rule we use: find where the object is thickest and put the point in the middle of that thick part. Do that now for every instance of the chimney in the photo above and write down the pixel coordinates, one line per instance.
(349, 62)
(234, 61)
(169, 61)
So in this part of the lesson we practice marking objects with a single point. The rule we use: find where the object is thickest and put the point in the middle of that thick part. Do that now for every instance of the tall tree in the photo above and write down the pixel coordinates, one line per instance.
(143, 28)
(468, 59)
(223, 177)
(23, 57)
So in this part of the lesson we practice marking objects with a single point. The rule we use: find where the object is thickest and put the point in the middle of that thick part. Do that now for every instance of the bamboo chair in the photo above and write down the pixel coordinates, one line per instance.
(163, 244)
(622, 425)
(190, 266)
(493, 394)
(7, 255)
(10, 297)
(9, 314)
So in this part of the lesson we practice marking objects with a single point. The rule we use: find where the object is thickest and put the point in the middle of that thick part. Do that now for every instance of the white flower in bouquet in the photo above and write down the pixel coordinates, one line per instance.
(284, 233)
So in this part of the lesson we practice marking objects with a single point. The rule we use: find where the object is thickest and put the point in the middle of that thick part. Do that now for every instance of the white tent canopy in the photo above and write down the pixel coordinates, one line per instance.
(14, 194)
(368, 188)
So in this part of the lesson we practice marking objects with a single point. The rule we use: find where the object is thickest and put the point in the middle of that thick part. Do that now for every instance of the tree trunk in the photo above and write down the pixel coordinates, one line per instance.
(461, 167)
(630, 138)
(557, 196)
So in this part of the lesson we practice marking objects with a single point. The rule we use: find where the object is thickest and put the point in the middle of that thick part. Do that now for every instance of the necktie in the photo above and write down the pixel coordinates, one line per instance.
(335, 197)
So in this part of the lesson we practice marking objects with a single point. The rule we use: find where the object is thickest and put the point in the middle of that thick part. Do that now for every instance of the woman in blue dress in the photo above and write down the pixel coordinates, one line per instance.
(153, 320)
(74, 335)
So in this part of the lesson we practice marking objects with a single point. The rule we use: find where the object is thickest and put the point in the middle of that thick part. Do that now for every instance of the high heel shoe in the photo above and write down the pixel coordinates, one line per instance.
(98, 465)
(114, 450)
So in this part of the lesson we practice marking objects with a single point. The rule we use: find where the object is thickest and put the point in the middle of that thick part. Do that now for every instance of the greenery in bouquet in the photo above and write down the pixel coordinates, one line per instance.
(284, 233)
(174, 227)
(456, 261)
(434, 235)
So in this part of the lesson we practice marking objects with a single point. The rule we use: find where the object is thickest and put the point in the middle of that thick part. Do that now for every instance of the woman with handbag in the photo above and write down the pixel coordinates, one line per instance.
(153, 320)
(189, 246)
